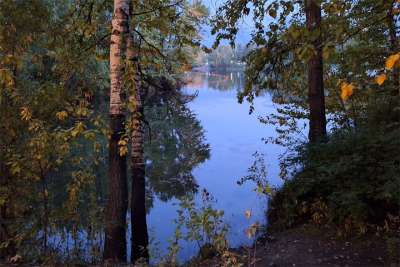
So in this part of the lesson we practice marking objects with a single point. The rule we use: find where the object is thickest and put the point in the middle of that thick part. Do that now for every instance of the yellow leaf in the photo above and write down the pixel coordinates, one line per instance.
(123, 147)
(26, 115)
(391, 61)
(123, 150)
(252, 230)
(347, 90)
(78, 129)
(380, 79)
(249, 233)
(247, 214)
(62, 115)
(122, 142)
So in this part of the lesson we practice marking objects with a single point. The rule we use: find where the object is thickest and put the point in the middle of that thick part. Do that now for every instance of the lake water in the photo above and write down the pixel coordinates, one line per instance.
(233, 136)
(206, 143)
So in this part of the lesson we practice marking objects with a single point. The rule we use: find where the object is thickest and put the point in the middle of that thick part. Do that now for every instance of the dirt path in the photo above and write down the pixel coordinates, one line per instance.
(310, 247)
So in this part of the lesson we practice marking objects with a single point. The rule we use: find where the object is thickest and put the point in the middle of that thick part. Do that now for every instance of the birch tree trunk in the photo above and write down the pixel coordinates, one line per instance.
(115, 232)
(139, 248)
(316, 97)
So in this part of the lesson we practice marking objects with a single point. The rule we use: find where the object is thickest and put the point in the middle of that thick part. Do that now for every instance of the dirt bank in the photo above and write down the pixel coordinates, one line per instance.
(308, 246)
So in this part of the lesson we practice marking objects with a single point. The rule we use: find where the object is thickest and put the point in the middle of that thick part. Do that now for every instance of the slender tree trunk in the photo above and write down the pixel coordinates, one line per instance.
(115, 232)
(316, 95)
(138, 200)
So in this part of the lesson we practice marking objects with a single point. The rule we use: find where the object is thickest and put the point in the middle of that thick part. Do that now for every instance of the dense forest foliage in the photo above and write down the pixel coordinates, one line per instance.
(334, 63)
(94, 125)
(54, 118)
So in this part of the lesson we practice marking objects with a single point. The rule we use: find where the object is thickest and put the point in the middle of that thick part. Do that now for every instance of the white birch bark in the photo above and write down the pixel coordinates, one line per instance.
(120, 23)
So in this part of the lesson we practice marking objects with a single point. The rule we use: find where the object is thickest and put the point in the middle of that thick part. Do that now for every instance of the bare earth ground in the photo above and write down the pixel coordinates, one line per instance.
(305, 247)
(308, 246)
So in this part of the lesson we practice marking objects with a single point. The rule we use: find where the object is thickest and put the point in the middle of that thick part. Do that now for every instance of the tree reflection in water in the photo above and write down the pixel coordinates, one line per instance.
(176, 143)
(220, 80)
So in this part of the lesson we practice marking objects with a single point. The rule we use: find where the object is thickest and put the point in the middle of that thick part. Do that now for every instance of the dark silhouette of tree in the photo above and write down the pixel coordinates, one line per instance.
(316, 97)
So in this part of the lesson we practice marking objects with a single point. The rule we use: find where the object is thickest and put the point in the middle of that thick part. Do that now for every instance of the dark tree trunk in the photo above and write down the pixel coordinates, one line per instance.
(115, 235)
(140, 239)
(316, 98)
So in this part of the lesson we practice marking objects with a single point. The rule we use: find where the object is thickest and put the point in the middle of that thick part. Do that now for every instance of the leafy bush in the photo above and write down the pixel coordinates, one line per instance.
(203, 224)
(352, 181)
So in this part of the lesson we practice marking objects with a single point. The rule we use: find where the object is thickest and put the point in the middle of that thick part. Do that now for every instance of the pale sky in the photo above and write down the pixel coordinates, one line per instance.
(243, 35)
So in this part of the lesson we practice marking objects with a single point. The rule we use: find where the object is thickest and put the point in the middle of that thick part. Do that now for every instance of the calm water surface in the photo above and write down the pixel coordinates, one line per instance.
(207, 143)
(233, 136)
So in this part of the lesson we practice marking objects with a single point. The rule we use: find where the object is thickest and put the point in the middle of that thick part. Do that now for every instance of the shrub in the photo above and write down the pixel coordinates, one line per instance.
(352, 181)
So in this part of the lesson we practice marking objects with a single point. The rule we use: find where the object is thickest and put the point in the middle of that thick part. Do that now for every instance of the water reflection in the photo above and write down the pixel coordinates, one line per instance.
(176, 145)
(233, 136)
(221, 81)
(205, 141)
